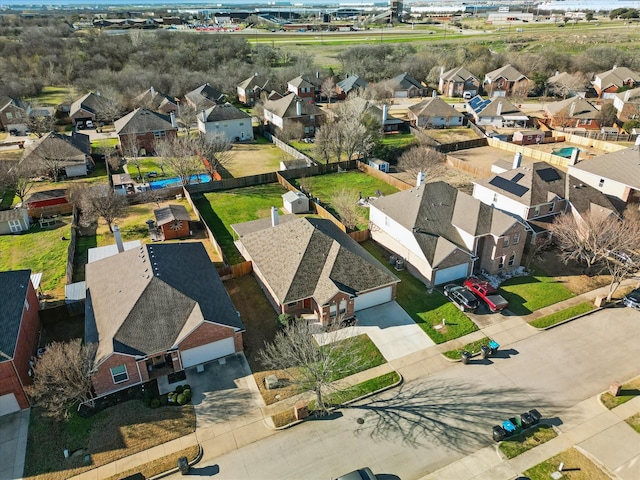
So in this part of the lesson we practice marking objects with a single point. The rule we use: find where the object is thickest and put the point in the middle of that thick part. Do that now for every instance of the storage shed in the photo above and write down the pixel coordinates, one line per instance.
(295, 202)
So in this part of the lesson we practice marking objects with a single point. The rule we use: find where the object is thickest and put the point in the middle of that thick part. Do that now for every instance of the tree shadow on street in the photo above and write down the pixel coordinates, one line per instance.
(456, 416)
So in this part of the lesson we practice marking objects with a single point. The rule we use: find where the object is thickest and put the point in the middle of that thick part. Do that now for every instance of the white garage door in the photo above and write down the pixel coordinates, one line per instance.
(450, 274)
(371, 299)
(208, 352)
(8, 404)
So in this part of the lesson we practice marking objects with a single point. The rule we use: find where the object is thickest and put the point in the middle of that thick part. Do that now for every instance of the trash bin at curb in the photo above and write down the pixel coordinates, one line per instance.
(464, 357)
(183, 465)
(494, 346)
(486, 351)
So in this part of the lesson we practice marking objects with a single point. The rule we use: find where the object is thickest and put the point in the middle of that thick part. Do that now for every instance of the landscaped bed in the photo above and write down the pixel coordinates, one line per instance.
(426, 309)
(531, 293)
(114, 433)
(41, 250)
(514, 446)
(562, 315)
(628, 391)
(577, 467)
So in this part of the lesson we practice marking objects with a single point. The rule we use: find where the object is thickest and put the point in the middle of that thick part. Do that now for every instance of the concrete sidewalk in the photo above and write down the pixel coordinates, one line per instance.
(584, 421)
(601, 434)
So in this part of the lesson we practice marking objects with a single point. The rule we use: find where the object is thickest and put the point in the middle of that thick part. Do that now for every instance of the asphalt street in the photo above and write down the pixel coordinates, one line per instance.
(428, 423)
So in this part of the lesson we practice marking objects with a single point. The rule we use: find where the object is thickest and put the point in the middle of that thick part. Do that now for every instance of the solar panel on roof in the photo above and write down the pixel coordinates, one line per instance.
(474, 102)
(548, 174)
(517, 177)
(508, 186)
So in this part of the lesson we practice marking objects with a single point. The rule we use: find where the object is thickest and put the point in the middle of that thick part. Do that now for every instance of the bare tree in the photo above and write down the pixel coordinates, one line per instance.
(596, 238)
(131, 151)
(40, 125)
(311, 367)
(110, 106)
(187, 116)
(423, 159)
(62, 377)
(291, 131)
(345, 203)
(53, 152)
(568, 84)
(382, 91)
(328, 88)
(101, 202)
(608, 114)
(540, 242)
(17, 177)
(323, 146)
(180, 154)
(215, 151)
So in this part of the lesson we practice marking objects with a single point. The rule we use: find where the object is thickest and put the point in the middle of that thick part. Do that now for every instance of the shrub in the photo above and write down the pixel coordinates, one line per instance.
(181, 399)
(283, 320)
(147, 401)
(164, 400)
(155, 403)
(179, 389)
(186, 386)
(187, 394)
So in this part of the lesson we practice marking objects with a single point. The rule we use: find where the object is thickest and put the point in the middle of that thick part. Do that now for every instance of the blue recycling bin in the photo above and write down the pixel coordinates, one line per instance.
(494, 346)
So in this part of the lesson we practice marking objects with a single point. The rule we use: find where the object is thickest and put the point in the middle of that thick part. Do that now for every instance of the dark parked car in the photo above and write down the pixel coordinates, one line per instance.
(632, 299)
(462, 297)
(360, 474)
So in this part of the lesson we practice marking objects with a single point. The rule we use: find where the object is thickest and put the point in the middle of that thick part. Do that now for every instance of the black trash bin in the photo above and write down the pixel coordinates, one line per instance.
(486, 351)
(464, 357)
(183, 465)
(526, 420)
(535, 414)
(498, 433)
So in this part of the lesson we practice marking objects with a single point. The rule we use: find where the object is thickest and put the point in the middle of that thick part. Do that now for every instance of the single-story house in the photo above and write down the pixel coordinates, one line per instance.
(309, 267)
(458, 82)
(205, 96)
(498, 112)
(13, 115)
(616, 173)
(70, 153)
(20, 325)
(574, 112)
(167, 311)
(48, 202)
(142, 128)
(434, 113)
(173, 221)
(505, 82)
(227, 120)
(295, 202)
(154, 100)
(405, 86)
(608, 83)
(249, 90)
(91, 106)
(15, 220)
(444, 234)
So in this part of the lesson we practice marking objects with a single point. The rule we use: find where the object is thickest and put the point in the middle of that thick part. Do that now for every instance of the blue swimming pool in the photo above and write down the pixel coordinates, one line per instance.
(565, 152)
(175, 181)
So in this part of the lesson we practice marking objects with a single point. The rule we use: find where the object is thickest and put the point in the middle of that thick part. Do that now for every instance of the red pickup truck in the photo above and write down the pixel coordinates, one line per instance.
(487, 293)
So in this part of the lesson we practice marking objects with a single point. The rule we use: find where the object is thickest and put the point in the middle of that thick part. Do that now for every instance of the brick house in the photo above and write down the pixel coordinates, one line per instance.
(249, 90)
(20, 324)
(156, 101)
(306, 87)
(205, 96)
(286, 112)
(574, 112)
(142, 128)
(13, 115)
(627, 104)
(505, 82)
(607, 84)
(444, 234)
(173, 221)
(458, 82)
(154, 310)
(309, 267)
(352, 83)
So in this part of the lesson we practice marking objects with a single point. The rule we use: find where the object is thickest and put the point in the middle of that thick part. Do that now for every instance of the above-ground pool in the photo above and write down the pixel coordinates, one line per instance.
(565, 152)
(175, 181)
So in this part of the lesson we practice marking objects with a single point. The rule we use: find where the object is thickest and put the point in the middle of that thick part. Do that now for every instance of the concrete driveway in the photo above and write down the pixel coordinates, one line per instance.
(225, 392)
(13, 444)
(390, 328)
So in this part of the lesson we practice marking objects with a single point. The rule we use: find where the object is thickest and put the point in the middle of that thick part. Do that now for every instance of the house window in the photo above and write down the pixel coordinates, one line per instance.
(159, 134)
(343, 306)
(552, 206)
(512, 259)
(119, 374)
(241, 124)
(501, 263)
(537, 211)
(308, 129)
(495, 198)
(9, 115)
(312, 118)
(516, 238)
(601, 182)
(505, 241)
(333, 310)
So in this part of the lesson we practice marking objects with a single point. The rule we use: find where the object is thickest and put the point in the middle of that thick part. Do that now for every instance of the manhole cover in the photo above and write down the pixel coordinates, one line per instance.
(360, 421)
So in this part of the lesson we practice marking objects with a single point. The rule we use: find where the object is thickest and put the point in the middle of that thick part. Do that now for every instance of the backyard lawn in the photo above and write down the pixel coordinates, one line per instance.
(254, 158)
(41, 250)
(398, 140)
(528, 294)
(222, 209)
(114, 433)
(53, 96)
(426, 309)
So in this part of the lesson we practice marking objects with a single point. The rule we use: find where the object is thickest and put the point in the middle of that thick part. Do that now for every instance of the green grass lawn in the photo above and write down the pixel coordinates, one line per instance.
(110, 143)
(7, 199)
(628, 391)
(581, 467)
(53, 96)
(325, 187)
(634, 422)
(514, 446)
(528, 294)
(359, 390)
(222, 209)
(562, 315)
(369, 356)
(472, 348)
(149, 164)
(426, 309)
(398, 140)
(40, 250)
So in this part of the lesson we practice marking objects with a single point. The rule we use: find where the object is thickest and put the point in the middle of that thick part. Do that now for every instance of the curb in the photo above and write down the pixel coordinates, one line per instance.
(333, 409)
(176, 469)
(597, 309)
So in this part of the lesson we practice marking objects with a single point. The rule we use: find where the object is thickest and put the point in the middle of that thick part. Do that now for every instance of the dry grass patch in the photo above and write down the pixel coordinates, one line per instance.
(627, 392)
(255, 158)
(451, 135)
(634, 422)
(112, 434)
(576, 467)
(571, 275)
(160, 465)
(269, 396)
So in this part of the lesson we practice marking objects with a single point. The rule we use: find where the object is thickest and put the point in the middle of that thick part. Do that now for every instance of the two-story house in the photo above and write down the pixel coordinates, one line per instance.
(227, 120)
(627, 104)
(608, 83)
(505, 82)
(458, 82)
(140, 130)
(306, 87)
(286, 112)
(574, 112)
(249, 90)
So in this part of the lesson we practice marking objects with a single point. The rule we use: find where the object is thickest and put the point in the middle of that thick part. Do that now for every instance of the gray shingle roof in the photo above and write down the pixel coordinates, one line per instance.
(622, 166)
(91, 102)
(74, 148)
(170, 213)
(404, 81)
(145, 300)
(632, 96)
(435, 212)
(13, 214)
(205, 96)
(507, 109)
(13, 292)
(285, 107)
(226, 111)
(575, 107)
(353, 82)
(458, 74)
(507, 72)
(254, 81)
(142, 120)
(434, 107)
(310, 257)
(157, 101)
(616, 76)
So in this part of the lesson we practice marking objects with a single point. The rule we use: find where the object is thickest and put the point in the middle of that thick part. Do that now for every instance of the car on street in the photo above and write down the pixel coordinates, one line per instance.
(632, 299)
(360, 474)
(462, 297)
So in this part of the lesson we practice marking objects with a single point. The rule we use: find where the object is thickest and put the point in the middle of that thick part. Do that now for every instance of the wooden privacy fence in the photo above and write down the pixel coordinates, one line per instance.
(71, 249)
(210, 235)
(361, 235)
(235, 271)
(285, 147)
(464, 145)
(423, 137)
(476, 170)
(537, 155)
(596, 141)
(385, 177)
